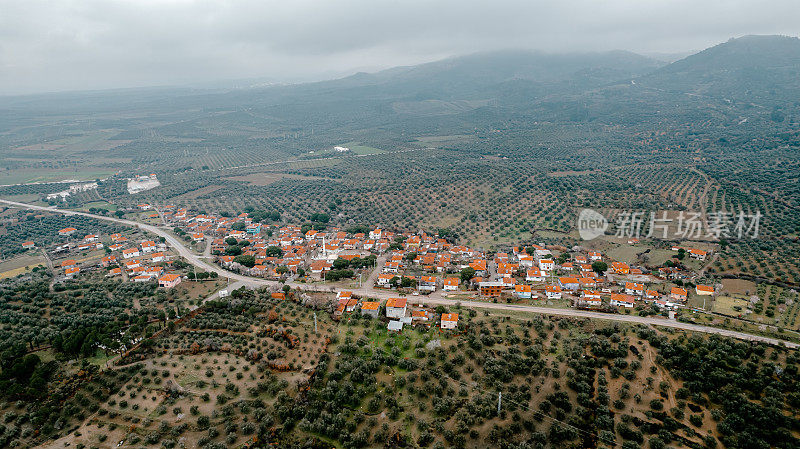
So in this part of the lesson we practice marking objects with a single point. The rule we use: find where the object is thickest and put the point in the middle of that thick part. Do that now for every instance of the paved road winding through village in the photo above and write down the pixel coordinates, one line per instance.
(433, 299)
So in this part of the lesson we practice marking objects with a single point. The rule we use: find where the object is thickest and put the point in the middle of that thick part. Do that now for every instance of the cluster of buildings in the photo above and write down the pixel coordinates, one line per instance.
(73, 189)
(140, 261)
(430, 263)
(277, 250)
(541, 276)
(532, 272)
(395, 310)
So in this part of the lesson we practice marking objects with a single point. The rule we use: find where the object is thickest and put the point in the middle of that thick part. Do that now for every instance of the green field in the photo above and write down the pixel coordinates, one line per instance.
(99, 205)
(728, 305)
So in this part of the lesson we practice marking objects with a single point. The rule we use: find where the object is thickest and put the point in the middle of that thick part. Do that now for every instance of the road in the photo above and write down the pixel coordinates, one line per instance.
(434, 299)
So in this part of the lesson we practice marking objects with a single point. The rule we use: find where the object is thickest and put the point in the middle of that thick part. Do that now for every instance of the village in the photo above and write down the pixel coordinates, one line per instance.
(377, 272)
(380, 273)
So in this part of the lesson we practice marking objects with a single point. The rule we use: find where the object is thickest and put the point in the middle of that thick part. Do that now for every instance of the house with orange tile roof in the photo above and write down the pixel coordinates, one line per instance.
(678, 294)
(421, 315)
(569, 283)
(523, 291)
(169, 281)
(698, 254)
(71, 272)
(319, 267)
(450, 284)
(479, 266)
(115, 272)
(620, 268)
(427, 283)
(69, 263)
(553, 291)
(588, 282)
(130, 253)
(704, 290)
(547, 265)
(66, 231)
(28, 245)
(634, 288)
(370, 308)
(592, 298)
(347, 303)
(396, 307)
(384, 279)
(449, 321)
(391, 267)
(621, 300)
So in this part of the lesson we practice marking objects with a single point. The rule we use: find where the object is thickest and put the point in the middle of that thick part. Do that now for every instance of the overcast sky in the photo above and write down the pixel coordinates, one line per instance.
(54, 45)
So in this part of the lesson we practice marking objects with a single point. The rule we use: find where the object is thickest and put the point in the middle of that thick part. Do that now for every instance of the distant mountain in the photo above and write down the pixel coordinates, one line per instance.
(750, 68)
(461, 84)
(465, 77)
(469, 92)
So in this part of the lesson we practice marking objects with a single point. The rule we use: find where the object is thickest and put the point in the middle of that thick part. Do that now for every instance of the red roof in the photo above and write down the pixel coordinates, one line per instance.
(396, 302)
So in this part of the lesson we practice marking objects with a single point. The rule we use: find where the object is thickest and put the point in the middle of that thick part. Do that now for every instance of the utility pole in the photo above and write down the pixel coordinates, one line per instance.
(499, 401)
(315, 322)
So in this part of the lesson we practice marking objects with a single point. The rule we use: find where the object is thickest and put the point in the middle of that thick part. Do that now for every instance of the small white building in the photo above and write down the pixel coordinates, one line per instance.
(395, 325)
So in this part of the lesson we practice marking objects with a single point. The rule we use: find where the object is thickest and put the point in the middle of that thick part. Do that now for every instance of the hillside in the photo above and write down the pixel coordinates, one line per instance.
(259, 372)
(750, 68)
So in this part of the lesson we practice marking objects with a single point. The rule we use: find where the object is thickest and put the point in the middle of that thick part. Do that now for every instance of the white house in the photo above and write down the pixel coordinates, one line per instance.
(553, 292)
(130, 253)
(534, 275)
(633, 288)
(169, 280)
(449, 320)
(522, 291)
(450, 284)
(547, 265)
(427, 284)
(620, 300)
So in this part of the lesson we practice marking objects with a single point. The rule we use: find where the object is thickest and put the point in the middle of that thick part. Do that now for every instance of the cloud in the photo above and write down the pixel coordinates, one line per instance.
(48, 45)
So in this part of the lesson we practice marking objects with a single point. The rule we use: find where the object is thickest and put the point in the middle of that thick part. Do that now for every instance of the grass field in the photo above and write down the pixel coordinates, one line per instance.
(729, 305)
(99, 205)
(625, 253)
(20, 264)
(739, 287)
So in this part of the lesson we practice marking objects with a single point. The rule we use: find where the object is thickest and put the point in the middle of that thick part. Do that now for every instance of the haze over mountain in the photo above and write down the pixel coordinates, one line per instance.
(504, 85)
